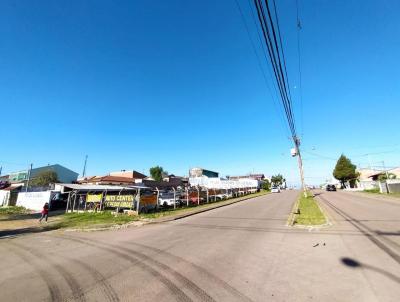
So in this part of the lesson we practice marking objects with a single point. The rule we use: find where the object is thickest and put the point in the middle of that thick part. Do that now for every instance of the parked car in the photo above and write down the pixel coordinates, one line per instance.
(331, 188)
(275, 190)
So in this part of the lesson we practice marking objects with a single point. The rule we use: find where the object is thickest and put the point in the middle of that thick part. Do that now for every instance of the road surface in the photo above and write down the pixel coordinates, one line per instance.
(242, 252)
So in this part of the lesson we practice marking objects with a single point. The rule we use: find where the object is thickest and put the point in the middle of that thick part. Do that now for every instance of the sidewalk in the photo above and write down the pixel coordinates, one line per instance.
(379, 196)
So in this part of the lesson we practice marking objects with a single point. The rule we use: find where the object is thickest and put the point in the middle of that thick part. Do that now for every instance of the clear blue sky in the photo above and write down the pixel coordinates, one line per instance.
(176, 83)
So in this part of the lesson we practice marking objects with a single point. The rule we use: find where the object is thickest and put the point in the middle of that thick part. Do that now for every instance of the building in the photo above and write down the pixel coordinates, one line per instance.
(122, 177)
(107, 180)
(129, 174)
(258, 177)
(199, 172)
(64, 174)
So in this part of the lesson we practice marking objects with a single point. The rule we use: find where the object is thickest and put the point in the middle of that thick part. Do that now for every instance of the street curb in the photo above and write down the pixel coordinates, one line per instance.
(137, 223)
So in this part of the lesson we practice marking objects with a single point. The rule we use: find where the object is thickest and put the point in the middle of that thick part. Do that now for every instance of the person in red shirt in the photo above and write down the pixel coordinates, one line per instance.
(45, 212)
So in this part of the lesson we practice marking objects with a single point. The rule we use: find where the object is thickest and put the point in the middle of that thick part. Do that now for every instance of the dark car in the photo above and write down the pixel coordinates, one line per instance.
(330, 188)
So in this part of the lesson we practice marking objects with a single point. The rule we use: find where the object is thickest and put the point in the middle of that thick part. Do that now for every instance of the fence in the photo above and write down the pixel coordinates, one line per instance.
(393, 185)
(149, 200)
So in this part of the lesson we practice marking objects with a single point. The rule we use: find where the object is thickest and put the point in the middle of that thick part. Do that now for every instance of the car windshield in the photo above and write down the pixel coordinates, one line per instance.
(167, 195)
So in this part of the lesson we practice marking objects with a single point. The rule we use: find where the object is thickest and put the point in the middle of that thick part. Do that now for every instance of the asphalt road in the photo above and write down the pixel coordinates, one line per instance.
(242, 252)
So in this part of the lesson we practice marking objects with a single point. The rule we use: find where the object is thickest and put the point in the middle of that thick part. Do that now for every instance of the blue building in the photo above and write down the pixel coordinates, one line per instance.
(64, 175)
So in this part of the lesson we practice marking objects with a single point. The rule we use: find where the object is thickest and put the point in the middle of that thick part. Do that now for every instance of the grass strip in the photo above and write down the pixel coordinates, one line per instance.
(309, 213)
(88, 220)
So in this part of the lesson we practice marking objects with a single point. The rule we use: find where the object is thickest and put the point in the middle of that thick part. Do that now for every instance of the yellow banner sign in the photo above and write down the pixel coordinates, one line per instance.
(115, 201)
(94, 197)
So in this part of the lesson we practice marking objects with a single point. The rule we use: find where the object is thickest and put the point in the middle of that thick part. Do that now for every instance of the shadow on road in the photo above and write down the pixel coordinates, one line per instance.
(30, 216)
(355, 264)
(28, 230)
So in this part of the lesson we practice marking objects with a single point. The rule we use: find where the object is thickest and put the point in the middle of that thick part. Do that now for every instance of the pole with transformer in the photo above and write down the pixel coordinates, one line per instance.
(296, 152)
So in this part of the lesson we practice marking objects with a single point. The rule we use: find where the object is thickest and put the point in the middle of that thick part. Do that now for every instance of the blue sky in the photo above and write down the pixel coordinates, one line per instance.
(135, 84)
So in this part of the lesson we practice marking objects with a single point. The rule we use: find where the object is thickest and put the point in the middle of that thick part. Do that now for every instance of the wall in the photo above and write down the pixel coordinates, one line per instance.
(393, 185)
(33, 200)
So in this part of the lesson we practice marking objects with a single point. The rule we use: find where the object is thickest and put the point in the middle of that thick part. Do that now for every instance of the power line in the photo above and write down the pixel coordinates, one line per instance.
(275, 101)
(299, 27)
(273, 40)
(281, 113)
(268, 30)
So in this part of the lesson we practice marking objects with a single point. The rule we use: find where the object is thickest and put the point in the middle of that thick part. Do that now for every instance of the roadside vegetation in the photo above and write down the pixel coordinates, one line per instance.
(377, 191)
(372, 191)
(8, 211)
(309, 213)
(88, 220)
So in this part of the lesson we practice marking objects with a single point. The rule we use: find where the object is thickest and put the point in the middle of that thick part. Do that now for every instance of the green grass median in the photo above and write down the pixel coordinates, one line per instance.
(309, 213)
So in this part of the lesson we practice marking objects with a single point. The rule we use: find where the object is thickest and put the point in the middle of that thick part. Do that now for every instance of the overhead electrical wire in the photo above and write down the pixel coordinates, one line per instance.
(274, 99)
(299, 67)
(276, 102)
(276, 56)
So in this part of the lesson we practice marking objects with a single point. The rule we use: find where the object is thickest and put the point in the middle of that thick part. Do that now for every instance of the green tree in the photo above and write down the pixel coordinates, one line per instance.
(277, 180)
(266, 185)
(157, 173)
(344, 170)
(44, 178)
(385, 176)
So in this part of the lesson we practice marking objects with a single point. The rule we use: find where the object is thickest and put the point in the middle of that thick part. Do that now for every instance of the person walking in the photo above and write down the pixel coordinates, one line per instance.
(45, 212)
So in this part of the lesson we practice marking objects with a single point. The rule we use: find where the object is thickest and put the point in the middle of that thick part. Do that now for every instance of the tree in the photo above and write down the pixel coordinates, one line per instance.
(277, 180)
(344, 170)
(266, 185)
(384, 177)
(157, 173)
(44, 178)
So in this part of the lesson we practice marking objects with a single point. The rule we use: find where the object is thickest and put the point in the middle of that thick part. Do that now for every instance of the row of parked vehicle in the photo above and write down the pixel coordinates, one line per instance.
(179, 198)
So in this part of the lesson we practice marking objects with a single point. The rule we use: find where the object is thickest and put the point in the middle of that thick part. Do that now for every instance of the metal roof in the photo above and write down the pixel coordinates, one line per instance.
(100, 187)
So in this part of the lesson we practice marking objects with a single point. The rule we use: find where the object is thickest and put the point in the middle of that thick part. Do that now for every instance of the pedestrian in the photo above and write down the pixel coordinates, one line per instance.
(45, 212)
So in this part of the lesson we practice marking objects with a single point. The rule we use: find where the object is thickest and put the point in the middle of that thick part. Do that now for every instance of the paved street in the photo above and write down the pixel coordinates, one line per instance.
(242, 252)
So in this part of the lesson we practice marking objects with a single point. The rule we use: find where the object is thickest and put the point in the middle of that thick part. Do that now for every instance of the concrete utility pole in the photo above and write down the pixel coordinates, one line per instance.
(29, 178)
(300, 161)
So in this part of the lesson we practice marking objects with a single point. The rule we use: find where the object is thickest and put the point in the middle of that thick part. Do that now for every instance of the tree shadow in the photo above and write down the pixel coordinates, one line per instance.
(356, 265)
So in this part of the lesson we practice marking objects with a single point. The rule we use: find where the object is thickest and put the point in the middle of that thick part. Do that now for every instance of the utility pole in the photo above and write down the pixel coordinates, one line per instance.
(29, 178)
(1, 169)
(300, 162)
(384, 169)
(84, 167)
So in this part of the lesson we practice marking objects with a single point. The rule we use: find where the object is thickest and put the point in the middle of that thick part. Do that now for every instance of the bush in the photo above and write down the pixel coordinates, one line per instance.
(13, 210)
(372, 190)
